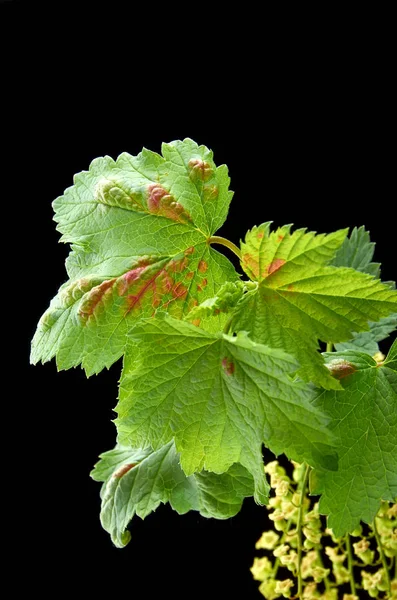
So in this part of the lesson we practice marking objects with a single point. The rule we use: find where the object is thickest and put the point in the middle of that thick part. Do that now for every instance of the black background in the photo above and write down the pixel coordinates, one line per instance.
(305, 126)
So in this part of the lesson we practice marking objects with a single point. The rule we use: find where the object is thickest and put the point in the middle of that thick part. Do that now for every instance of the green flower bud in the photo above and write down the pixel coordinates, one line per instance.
(367, 557)
(312, 536)
(284, 588)
(267, 589)
(271, 467)
(310, 591)
(319, 573)
(312, 517)
(340, 573)
(361, 547)
(368, 581)
(298, 472)
(281, 525)
(267, 541)
(283, 549)
(290, 560)
(289, 510)
(262, 568)
(274, 502)
(278, 515)
(379, 580)
(308, 563)
(333, 555)
(282, 488)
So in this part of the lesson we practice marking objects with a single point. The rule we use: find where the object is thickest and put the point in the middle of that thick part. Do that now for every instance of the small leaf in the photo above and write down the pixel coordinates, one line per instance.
(136, 481)
(367, 341)
(227, 298)
(357, 252)
(364, 420)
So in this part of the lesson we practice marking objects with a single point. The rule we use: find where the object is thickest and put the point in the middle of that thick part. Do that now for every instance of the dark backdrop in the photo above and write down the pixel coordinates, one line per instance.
(307, 141)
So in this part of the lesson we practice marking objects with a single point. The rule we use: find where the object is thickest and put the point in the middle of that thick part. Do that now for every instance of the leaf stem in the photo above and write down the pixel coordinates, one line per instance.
(216, 239)
(330, 347)
(350, 564)
(299, 530)
(382, 557)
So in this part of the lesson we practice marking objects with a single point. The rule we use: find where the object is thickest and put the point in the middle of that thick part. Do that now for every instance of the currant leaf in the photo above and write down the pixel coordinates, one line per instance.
(364, 420)
(357, 252)
(367, 341)
(219, 397)
(136, 481)
(300, 299)
(139, 229)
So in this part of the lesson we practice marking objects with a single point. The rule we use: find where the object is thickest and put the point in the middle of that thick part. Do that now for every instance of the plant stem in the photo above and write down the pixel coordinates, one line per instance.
(299, 530)
(228, 325)
(350, 564)
(216, 239)
(330, 347)
(382, 557)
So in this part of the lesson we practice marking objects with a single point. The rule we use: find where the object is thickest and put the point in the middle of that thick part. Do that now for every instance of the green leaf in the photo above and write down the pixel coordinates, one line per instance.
(357, 252)
(300, 300)
(220, 397)
(139, 230)
(367, 341)
(364, 420)
(136, 481)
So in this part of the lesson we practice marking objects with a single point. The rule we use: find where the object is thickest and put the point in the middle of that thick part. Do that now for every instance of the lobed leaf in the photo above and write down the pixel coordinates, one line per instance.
(219, 397)
(139, 230)
(300, 299)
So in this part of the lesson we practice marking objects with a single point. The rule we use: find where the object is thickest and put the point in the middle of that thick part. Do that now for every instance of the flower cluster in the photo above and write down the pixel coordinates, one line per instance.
(327, 562)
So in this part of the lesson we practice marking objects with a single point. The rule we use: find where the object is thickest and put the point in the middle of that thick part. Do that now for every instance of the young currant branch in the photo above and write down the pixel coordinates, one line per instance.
(216, 239)
(140, 293)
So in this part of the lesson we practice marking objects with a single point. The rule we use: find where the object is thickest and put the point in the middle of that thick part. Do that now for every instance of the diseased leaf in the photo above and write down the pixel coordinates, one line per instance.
(300, 300)
(136, 481)
(139, 230)
(364, 420)
(219, 397)
(367, 341)
(357, 252)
